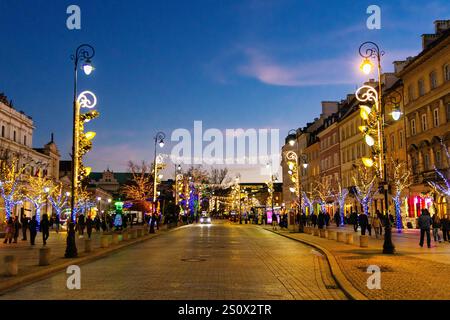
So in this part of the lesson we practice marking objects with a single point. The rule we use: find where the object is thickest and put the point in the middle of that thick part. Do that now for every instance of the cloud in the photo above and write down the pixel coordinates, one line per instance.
(308, 73)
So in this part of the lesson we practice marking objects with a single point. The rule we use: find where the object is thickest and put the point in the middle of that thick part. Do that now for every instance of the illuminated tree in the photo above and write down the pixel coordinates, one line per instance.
(365, 182)
(307, 202)
(36, 192)
(340, 195)
(400, 179)
(10, 189)
(323, 192)
(443, 186)
(59, 199)
(84, 203)
(140, 190)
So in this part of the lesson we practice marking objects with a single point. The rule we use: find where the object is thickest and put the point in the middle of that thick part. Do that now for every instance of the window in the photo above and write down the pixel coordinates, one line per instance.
(447, 72)
(438, 159)
(14, 136)
(433, 80)
(410, 93)
(400, 140)
(25, 140)
(424, 122)
(413, 127)
(336, 159)
(421, 85)
(3, 131)
(436, 117)
(392, 142)
(426, 162)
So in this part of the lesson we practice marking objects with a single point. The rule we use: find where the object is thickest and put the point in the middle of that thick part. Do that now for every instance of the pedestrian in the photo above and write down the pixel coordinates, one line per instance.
(445, 225)
(80, 226)
(25, 222)
(57, 223)
(9, 230)
(327, 219)
(314, 219)
(33, 230)
(45, 228)
(376, 224)
(89, 225)
(354, 220)
(17, 227)
(321, 220)
(274, 221)
(369, 224)
(424, 225)
(337, 218)
(436, 224)
(380, 217)
(152, 224)
(363, 222)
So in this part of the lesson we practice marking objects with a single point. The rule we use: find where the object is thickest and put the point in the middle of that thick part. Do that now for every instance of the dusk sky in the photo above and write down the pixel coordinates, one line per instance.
(161, 65)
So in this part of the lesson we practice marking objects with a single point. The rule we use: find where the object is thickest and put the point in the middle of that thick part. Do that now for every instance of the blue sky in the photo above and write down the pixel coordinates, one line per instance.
(161, 65)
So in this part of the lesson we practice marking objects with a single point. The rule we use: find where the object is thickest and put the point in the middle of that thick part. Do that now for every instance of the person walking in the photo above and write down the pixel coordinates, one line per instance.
(17, 227)
(363, 222)
(274, 221)
(327, 219)
(380, 217)
(436, 225)
(445, 225)
(45, 228)
(80, 226)
(337, 218)
(377, 226)
(33, 230)
(9, 230)
(25, 222)
(369, 224)
(314, 219)
(354, 220)
(57, 223)
(321, 220)
(424, 225)
(89, 226)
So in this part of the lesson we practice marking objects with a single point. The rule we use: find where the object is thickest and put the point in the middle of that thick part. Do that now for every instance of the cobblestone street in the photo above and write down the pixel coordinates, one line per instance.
(222, 261)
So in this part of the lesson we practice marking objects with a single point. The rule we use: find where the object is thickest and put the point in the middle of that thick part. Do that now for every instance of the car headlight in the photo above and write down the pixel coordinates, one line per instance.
(201, 219)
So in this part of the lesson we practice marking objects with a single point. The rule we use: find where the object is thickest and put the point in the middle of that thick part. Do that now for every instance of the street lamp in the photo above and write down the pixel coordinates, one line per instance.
(294, 162)
(159, 138)
(374, 118)
(83, 54)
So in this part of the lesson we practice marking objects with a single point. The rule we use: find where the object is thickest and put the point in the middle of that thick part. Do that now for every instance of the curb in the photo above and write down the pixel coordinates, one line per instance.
(17, 282)
(340, 278)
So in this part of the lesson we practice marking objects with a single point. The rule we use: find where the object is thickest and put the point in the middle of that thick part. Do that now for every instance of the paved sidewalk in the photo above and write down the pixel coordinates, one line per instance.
(28, 256)
(412, 273)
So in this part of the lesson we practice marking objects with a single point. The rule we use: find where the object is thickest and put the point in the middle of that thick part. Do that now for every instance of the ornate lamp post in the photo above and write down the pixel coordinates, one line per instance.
(294, 161)
(83, 54)
(373, 113)
(159, 138)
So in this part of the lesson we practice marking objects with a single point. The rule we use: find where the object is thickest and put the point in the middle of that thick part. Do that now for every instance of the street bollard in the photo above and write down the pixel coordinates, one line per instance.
(11, 266)
(104, 241)
(332, 235)
(323, 233)
(306, 230)
(364, 241)
(115, 238)
(349, 238)
(125, 236)
(87, 245)
(140, 232)
(341, 236)
(44, 256)
(316, 232)
(133, 233)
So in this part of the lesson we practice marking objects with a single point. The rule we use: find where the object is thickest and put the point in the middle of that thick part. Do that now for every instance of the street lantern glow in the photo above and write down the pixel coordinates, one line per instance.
(291, 142)
(109, 200)
(305, 165)
(370, 140)
(396, 114)
(291, 165)
(67, 194)
(365, 111)
(88, 67)
(368, 162)
(161, 143)
(99, 198)
(363, 129)
(292, 189)
(46, 189)
(90, 135)
(366, 66)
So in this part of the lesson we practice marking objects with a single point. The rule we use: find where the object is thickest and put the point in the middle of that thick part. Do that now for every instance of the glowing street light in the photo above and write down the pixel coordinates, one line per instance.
(366, 66)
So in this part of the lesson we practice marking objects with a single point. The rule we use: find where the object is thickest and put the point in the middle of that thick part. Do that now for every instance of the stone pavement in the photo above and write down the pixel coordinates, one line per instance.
(221, 261)
(412, 273)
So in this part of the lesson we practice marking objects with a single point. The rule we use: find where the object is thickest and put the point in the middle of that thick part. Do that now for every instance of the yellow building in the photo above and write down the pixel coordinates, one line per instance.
(426, 79)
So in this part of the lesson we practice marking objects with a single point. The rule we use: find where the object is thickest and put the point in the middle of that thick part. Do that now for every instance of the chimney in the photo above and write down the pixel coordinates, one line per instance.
(329, 107)
(441, 26)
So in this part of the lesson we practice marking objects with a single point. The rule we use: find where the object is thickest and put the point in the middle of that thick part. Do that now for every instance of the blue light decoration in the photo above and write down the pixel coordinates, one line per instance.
(118, 220)
(398, 212)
